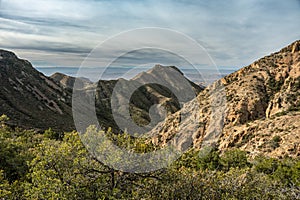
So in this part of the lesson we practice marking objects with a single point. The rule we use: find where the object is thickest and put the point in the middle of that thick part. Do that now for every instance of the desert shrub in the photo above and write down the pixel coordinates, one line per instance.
(4, 187)
(234, 158)
(51, 134)
(206, 158)
(265, 165)
(275, 85)
(274, 143)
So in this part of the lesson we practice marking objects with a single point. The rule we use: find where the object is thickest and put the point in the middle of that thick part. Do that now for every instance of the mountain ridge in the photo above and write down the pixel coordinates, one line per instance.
(35, 96)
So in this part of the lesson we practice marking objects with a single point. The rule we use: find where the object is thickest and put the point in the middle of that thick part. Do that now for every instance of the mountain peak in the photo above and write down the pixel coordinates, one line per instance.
(7, 54)
(159, 67)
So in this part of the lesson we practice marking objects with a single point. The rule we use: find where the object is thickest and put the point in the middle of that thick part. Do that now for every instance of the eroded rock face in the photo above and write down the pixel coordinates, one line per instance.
(266, 87)
(199, 123)
(261, 91)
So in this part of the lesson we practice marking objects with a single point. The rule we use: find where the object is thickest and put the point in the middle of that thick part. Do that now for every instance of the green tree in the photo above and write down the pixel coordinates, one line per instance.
(65, 170)
(288, 171)
(296, 173)
(15, 151)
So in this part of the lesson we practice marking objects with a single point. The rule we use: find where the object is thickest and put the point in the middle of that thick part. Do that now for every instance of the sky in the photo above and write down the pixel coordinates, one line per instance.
(61, 33)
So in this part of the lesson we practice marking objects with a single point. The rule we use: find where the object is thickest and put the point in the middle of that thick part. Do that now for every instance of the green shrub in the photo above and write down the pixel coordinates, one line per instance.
(274, 143)
(234, 158)
(265, 165)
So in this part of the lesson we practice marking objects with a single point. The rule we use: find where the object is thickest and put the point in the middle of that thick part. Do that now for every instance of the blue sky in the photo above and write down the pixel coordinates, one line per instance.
(63, 32)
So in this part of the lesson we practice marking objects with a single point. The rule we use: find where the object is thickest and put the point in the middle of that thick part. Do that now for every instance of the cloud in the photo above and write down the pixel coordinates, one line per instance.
(235, 33)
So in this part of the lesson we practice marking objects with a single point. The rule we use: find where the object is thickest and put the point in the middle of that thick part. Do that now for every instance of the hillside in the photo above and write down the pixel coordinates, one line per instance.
(68, 81)
(254, 111)
(30, 99)
(260, 113)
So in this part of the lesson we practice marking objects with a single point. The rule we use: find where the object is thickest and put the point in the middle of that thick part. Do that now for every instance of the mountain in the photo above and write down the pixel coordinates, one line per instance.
(142, 93)
(33, 100)
(30, 99)
(256, 109)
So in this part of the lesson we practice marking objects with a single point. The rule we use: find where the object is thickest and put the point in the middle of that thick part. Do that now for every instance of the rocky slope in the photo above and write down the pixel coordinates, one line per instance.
(277, 136)
(246, 109)
(30, 99)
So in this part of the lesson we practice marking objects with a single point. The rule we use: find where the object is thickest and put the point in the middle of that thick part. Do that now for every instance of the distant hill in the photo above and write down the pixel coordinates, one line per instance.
(143, 97)
(68, 81)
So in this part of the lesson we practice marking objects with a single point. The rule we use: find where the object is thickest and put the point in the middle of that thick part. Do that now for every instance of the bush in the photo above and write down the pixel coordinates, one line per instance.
(234, 158)
(265, 165)
(274, 143)
(4, 187)
(206, 158)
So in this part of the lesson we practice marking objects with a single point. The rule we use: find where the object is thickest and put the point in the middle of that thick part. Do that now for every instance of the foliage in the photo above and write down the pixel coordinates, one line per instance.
(275, 85)
(49, 133)
(275, 142)
(4, 187)
(266, 165)
(234, 158)
(40, 166)
(64, 170)
(286, 170)
(15, 151)
(206, 158)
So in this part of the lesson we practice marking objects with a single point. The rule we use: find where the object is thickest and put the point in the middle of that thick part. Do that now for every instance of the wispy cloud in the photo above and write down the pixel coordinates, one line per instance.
(62, 32)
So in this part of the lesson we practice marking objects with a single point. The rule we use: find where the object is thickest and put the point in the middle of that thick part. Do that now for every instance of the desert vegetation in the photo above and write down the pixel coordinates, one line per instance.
(57, 166)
